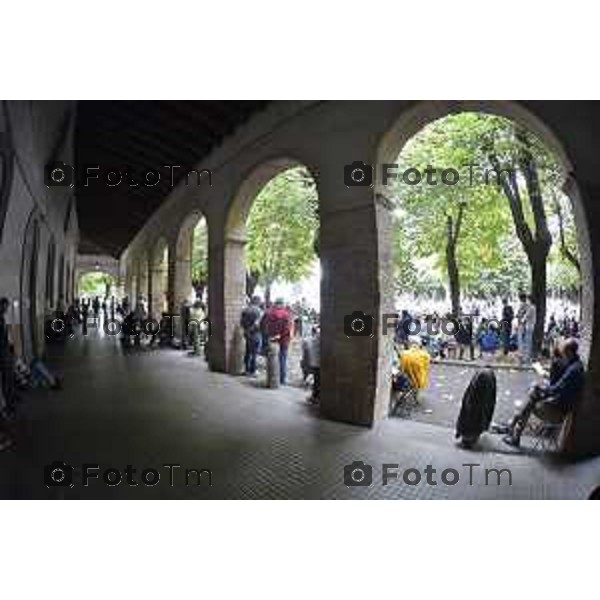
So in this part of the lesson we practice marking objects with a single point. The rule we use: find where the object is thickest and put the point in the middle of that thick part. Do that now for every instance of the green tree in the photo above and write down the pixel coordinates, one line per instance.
(200, 258)
(508, 189)
(459, 221)
(95, 283)
(282, 229)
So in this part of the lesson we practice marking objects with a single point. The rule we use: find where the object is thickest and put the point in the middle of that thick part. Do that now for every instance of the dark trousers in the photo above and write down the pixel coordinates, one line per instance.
(541, 407)
(252, 345)
(506, 340)
(283, 354)
(316, 391)
(9, 388)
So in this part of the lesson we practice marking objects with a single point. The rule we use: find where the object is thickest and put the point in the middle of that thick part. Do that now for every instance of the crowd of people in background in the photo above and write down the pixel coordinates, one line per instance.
(487, 328)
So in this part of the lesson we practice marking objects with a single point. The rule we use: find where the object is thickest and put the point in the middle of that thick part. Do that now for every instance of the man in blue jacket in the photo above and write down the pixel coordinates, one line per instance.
(553, 401)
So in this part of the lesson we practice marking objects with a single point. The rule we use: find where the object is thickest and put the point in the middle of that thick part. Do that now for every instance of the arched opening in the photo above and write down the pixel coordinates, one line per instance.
(159, 279)
(271, 261)
(96, 283)
(521, 233)
(192, 260)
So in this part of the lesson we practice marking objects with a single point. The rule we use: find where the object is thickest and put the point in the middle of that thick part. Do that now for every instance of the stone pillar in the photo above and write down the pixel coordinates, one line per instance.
(129, 283)
(355, 371)
(156, 291)
(183, 280)
(226, 298)
(142, 278)
(171, 305)
(583, 437)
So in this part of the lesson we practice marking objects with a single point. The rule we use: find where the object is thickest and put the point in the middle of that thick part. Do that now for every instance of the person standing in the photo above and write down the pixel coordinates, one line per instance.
(84, 317)
(522, 327)
(186, 315)
(250, 322)
(195, 326)
(312, 358)
(96, 307)
(278, 327)
(7, 359)
(508, 314)
(529, 323)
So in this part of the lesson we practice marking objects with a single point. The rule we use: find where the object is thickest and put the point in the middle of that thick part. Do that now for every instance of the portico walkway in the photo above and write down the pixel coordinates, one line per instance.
(161, 407)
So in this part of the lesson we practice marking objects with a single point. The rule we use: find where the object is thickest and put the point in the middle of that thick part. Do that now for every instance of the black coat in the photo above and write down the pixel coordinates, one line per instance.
(478, 404)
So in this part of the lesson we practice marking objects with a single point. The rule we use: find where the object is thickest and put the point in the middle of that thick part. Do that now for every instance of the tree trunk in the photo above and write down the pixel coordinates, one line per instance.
(453, 279)
(538, 294)
(452, 233)
(268, 293)
(251, 283)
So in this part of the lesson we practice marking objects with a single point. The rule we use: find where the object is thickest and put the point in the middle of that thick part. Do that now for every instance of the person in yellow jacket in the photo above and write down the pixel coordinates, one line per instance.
(415, 363)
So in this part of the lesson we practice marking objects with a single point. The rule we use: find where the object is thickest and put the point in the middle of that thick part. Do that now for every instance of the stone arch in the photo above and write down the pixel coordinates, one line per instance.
(184, 252)
(412, 120)
(227, 265)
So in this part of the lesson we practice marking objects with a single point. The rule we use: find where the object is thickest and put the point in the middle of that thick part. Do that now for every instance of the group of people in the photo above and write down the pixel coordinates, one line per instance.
(482, 331)
(16, 375)
(271, 327)
(262, 325)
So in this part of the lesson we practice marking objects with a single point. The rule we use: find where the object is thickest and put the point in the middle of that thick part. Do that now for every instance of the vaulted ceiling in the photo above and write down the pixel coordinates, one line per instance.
(139, 136)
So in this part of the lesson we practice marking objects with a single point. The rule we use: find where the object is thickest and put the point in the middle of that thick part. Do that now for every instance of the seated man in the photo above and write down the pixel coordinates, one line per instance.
(415, 363)
(553, 401)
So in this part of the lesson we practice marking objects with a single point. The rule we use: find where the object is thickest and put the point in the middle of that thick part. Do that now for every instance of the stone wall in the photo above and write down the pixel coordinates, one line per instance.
(36, 217)
(355, 233)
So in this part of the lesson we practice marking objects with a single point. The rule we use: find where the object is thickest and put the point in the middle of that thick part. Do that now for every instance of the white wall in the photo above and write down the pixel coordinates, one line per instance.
(37, 132)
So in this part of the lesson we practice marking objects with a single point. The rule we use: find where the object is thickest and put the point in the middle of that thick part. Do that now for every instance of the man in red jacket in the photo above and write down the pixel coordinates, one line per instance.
(278, 327)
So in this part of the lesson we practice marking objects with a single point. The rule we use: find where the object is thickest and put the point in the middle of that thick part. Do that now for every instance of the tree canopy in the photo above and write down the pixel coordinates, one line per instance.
(489, 257)
(95, 283)
(282, 229)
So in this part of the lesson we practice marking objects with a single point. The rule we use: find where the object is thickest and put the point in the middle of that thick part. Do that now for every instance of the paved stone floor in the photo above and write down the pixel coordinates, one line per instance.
(439, 404)
(156, 407)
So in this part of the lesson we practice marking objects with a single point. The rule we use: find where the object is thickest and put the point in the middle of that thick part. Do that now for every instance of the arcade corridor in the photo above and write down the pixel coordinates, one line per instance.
(159, 407)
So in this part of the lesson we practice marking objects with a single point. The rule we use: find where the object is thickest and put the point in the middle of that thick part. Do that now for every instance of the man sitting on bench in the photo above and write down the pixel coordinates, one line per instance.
(554, 401)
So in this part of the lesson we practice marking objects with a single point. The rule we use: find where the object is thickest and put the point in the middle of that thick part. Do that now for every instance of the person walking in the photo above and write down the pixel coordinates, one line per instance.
(7, 361)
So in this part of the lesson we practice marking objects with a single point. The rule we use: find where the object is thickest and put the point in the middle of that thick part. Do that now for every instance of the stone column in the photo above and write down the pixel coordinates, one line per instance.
(156, 291)
(226, 296)
(183, 280)
(171, 305)
(142, 278)
(355, 371)
(129, 283)
(583, 437)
